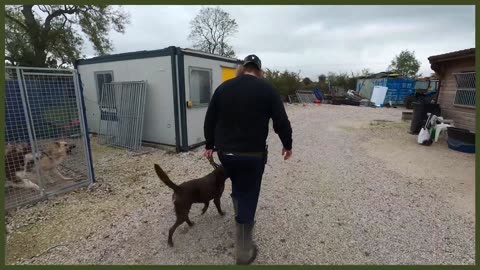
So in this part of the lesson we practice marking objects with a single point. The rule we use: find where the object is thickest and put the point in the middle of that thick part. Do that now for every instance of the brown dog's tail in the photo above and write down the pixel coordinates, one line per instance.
(165, 179)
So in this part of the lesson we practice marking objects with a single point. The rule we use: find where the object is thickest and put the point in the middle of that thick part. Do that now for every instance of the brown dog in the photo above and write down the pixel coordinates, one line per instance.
(15, 162)
(201, 190)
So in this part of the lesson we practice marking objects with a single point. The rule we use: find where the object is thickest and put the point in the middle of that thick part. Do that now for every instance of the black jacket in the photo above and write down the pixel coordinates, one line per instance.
(238, 115)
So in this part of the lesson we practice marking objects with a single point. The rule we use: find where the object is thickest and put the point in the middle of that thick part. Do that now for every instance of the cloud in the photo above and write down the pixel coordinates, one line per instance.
(313, 39)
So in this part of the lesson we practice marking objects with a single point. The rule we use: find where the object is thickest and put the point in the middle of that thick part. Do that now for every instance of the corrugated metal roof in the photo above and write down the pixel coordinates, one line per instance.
(452, 55)
(381, 75)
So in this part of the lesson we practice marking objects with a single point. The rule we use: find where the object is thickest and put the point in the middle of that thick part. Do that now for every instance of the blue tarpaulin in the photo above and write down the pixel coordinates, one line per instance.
(50, 103)
(319, 94)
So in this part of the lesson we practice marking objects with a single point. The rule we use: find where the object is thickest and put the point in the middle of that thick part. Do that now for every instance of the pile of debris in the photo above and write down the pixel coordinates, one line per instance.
(316, 96)
(354, 98)
(306, 96)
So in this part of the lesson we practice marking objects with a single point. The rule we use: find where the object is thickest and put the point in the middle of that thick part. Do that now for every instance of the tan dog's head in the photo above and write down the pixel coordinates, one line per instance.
(64, 147)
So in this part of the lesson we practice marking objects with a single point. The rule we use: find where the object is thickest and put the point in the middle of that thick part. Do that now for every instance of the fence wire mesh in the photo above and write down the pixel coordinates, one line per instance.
(305, 96)
(292, 99)
(122, 108)
(46, 149)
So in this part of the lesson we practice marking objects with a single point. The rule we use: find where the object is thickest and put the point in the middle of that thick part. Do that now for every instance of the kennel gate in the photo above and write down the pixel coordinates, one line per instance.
(305, 96)
(44, 106)
(122, 109)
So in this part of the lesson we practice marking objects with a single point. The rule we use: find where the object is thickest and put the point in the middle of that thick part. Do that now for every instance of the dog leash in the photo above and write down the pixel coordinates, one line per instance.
(212, 162)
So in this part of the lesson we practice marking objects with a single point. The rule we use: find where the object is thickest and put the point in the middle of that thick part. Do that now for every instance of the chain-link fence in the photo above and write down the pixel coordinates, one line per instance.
(46, 143)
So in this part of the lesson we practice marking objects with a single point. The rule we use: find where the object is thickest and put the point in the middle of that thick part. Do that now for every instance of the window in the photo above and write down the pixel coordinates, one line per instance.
(200, 86)
(102, 77)
(465, 94)
(421, 84)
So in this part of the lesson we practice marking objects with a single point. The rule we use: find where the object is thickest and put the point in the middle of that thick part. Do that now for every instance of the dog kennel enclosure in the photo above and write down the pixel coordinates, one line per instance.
(43, 108)
(180, 84)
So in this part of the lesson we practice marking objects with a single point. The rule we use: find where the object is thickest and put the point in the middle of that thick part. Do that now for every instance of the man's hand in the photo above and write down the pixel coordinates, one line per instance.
(286, 154)
(208, 153)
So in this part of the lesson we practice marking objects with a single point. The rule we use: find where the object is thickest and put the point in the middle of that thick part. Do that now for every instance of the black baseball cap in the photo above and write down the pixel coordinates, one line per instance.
(252, 58)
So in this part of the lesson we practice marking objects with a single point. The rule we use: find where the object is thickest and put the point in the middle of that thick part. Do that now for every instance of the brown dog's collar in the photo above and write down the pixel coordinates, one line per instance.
(213, 163)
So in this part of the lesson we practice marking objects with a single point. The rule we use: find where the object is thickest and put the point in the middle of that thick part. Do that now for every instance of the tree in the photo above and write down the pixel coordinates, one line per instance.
(210, 31)
(365, 72)
(405, 64)
(286, 82)
(342, 82)
(307, 81)
(50, 35)
(322, 78)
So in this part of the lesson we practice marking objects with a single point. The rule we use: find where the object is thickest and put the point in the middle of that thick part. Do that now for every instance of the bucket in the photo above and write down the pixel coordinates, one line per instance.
(461, 135)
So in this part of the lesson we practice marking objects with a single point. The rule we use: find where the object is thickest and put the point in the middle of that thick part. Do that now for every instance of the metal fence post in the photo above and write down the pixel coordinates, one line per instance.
(30, 129)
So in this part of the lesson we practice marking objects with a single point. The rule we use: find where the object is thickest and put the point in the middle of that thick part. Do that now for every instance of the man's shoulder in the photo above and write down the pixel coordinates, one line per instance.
(238, 81)
(263, 83)
(228, 83)
(266, 83)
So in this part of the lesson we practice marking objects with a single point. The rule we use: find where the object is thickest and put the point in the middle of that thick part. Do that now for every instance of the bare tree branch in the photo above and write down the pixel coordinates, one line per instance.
(45, 9)
(58, 12)
(15, 20)
(210, 30)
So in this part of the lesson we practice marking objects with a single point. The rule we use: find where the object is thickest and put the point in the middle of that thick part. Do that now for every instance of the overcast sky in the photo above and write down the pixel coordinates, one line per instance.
(313, 39)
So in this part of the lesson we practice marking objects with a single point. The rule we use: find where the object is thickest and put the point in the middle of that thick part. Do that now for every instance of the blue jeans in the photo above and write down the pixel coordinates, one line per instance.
(246, 173)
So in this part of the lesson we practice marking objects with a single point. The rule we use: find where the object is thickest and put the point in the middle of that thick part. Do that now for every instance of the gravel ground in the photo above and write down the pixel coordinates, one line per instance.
(354, 192)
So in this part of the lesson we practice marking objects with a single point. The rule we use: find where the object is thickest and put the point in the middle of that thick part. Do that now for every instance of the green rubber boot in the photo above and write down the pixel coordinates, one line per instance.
(245, 249)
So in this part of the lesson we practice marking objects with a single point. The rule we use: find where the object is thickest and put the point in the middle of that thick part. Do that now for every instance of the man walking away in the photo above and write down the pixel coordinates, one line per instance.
(236, 124)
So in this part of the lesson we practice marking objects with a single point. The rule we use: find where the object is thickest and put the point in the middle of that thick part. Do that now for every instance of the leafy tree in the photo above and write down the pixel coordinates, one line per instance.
(342, 81)
(365, 72)
(210, 31)
(405, 64)
(286, 82)
(322, 78)
(307, 81)
(50, 35)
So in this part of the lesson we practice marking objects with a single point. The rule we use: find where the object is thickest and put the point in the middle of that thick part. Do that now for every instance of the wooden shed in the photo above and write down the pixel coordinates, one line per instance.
(457, 90)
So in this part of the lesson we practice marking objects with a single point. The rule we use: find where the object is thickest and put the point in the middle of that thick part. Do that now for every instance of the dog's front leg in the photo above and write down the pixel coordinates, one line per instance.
(25, 183)
(61, 175)
(26, 160)
(205, 208)
(49, 178)
(30, 184)
(216, 201)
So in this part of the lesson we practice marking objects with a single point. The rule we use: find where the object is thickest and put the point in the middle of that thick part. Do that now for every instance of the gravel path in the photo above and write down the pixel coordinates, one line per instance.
(355, 192)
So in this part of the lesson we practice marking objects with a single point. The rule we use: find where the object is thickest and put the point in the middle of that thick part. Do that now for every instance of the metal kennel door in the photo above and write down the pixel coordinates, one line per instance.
(44, 109)
(122, 109)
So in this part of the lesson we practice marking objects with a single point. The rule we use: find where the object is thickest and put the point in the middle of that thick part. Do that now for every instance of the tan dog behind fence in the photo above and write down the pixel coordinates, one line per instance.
(23, 174)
